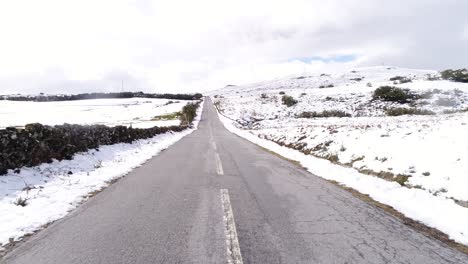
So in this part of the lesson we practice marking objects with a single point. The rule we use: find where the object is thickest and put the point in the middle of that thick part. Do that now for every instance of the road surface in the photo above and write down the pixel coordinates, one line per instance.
(170, 211)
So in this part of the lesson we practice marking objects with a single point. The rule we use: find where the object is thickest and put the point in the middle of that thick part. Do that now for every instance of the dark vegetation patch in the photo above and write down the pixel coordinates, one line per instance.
(21, 201)
(288, 100)
(170, 116)
(388, 176)
(87, 96)
(431, 77)
(393, 94)
(36, 143)
(189, 112)
(400, 79)
(326, 86)
(398, 111)
(326, 113)
(453, 111)
(460, 75)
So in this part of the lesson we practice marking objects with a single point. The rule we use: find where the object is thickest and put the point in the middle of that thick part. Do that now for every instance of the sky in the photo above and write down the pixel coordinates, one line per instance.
(64, 46)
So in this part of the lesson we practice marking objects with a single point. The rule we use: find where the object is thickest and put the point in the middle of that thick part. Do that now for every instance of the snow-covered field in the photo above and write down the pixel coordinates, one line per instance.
(50, 191)
(423, 158)
(135, 112)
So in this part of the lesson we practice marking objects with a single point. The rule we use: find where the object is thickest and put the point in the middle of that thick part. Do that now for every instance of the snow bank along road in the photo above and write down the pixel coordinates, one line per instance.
(216, 198)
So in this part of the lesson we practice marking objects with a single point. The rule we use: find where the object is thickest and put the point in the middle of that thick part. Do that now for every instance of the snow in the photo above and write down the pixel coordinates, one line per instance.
(431, 150)
(414, 145)
(52, 192)
(136, 112)
(435, 211)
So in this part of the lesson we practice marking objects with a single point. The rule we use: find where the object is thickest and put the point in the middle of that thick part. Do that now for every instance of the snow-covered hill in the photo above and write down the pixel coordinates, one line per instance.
(135, 112)
(419, 142)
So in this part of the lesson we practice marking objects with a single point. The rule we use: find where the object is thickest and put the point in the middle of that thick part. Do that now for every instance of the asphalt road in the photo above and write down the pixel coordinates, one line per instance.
(170, 211)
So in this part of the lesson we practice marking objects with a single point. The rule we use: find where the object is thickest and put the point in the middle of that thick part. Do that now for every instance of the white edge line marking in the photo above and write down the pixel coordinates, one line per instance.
(232, 243)
(219, 165)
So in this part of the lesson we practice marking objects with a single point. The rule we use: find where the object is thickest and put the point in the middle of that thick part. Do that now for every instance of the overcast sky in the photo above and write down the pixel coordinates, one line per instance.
(60, 46)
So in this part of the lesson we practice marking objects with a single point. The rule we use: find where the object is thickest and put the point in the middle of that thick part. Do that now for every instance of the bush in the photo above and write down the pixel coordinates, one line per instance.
(408, 111)
(189, 111)
(21, 202)
(326, 113)
(431, 77)
(36, 143)
(170, 116)
(288, 100)
(392, 94)
(282, 93)
(263, 96)
(400, 79)
(460, 75)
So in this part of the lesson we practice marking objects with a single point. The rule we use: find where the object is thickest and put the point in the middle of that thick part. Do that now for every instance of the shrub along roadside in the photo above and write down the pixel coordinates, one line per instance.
(36, 143)
(189, 112)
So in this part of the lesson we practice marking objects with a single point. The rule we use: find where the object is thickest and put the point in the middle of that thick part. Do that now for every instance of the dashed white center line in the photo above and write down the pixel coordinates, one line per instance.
(232, 242)
(213, 143)
(219, 165)
(211, 131)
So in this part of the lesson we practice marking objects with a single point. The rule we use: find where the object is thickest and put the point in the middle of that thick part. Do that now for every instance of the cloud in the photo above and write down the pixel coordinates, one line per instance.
(181, 46)
(465, 33)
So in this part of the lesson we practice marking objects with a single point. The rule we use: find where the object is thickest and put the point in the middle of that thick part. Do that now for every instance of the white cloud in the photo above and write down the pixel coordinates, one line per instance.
(465, 33)
(179, 46)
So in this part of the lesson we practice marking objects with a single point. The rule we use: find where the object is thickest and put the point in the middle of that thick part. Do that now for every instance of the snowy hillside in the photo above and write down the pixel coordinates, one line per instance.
(417, 140)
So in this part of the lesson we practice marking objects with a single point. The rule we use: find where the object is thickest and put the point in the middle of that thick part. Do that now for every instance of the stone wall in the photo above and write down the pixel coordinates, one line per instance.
(36, 143)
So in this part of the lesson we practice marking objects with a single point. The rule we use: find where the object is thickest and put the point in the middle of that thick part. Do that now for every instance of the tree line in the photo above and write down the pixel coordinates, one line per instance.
(87, 96)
